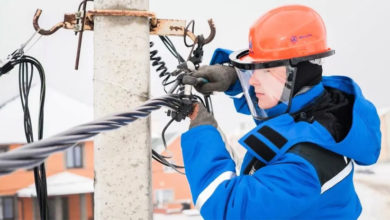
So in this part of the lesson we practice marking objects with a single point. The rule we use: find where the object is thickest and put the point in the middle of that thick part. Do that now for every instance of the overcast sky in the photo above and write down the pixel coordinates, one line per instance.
(359, 31)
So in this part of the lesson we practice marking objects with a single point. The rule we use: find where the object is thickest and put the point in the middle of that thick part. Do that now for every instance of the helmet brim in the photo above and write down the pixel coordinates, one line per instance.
(242, 60)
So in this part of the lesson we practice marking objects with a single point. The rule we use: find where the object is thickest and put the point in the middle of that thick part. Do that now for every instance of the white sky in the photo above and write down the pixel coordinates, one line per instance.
(359, 31)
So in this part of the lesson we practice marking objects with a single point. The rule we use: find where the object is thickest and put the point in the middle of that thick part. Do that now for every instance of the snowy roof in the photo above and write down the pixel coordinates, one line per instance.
(60, 113)
(383, 111)
(157, 143)
(64, 183)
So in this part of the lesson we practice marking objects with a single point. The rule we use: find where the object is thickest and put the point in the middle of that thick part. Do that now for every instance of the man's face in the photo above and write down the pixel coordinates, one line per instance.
(268, 84)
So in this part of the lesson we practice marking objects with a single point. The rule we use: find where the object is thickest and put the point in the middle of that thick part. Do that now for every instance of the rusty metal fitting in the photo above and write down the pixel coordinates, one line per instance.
(157, 26)
(69, 19)
(122, 13)
(41, 31)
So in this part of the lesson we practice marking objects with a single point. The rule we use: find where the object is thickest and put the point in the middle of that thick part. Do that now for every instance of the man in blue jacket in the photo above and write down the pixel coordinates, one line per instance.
(310, 129)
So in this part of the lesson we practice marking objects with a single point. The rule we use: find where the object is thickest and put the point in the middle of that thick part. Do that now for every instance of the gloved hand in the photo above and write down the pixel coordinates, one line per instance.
(200, 116)
(219, 77)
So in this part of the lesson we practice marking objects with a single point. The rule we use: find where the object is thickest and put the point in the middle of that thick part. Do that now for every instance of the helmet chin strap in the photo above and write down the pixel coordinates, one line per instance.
(308, 74)
(294, 74)
(305, 75)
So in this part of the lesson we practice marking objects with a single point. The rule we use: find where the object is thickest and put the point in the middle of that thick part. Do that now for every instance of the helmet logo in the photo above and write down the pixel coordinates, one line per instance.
(294, 38)
(250, 46)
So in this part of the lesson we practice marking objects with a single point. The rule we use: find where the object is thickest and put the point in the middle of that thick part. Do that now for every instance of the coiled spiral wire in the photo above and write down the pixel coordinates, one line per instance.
(160, 65)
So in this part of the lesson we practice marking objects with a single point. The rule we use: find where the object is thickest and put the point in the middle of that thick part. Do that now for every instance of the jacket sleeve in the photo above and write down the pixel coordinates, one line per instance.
(284, 189)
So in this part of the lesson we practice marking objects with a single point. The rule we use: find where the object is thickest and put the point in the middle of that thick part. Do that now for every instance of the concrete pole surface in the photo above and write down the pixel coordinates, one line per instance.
(121, 83)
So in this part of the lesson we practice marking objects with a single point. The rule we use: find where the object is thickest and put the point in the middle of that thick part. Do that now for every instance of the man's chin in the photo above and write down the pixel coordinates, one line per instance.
(265, 107)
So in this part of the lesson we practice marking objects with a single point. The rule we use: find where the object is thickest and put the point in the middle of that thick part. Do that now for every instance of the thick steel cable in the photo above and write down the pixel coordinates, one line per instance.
(35, 153)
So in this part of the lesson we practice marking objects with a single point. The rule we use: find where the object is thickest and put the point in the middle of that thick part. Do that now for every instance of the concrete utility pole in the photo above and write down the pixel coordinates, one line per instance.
(121, 83)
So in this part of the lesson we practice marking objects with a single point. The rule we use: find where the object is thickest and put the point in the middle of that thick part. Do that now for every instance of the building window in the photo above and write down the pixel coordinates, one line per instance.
(164, 196)
(57, 208)
(7, 208)
(74, 156)
(65, 207)
(51, 203)
(3, 148)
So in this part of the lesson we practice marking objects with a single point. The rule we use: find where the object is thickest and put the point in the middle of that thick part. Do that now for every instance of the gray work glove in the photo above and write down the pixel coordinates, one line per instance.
(219, 78)
(200, 116)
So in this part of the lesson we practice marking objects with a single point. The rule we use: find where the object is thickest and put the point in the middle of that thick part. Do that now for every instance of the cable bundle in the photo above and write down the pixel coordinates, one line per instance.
(27, 65)
(26, 74)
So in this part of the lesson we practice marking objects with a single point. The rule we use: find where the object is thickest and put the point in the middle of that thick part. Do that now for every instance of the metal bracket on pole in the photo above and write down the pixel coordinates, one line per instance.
(83, 21)
(163, 27)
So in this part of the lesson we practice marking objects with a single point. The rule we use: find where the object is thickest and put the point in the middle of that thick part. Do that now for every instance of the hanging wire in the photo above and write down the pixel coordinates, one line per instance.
(161, 68)
(32, 45)
(163, 132)
(27, 67)
(171, 47)
(160, 65)
(191, 25)
(27, 64)
(84, 5)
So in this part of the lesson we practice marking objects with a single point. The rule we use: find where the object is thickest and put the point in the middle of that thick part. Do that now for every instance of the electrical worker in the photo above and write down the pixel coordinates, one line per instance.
(310, 129)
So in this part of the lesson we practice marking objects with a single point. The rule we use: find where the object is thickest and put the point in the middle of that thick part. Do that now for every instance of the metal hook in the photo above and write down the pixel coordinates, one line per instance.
(212, 32)
(43, 31)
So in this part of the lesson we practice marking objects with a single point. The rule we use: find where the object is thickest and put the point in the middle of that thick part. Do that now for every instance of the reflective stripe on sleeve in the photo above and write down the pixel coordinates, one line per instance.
(209, 190)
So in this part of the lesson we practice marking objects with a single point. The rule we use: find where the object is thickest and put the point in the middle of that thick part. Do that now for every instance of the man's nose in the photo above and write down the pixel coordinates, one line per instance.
(253, 81)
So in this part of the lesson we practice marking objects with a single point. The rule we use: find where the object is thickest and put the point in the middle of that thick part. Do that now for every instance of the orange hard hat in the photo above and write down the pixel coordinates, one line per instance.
(285, 33)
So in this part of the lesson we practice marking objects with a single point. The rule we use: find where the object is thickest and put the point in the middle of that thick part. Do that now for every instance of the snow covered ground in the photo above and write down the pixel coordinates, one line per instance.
(373, 187)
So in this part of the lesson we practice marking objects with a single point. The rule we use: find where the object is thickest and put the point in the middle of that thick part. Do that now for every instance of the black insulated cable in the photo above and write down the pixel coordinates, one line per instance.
(27, 64)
